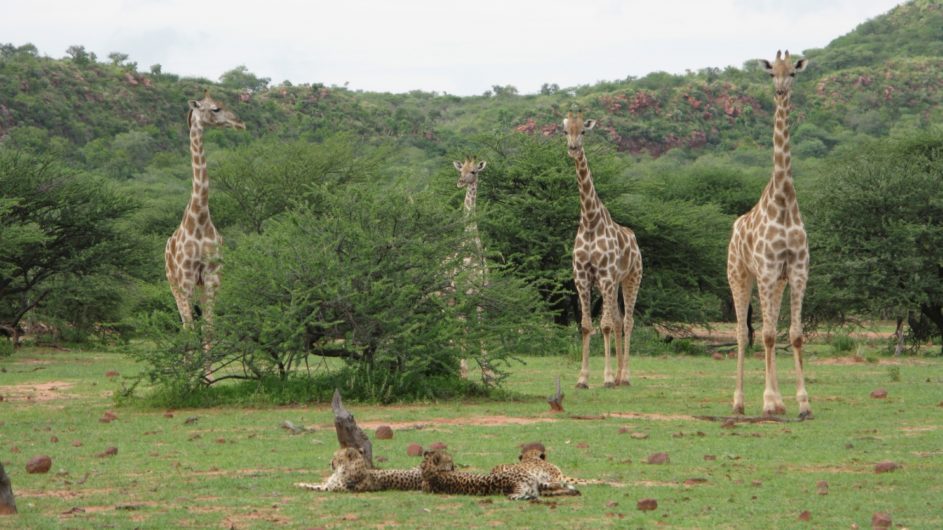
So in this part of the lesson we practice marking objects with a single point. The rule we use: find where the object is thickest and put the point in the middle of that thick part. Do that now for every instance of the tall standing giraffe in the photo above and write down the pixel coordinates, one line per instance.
(605, 254)
(769, 246)
(191, 256)
(473, 260)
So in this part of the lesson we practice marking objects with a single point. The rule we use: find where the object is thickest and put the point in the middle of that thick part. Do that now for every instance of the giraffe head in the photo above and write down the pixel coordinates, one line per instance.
(210, 113)
(783, 71)
(468, 171)
(575, 127)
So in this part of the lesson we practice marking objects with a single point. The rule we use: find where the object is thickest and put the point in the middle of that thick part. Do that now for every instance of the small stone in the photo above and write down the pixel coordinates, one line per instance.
(647, 505)
(168, 414)
(710, 458)
(14, 449)
(191, 420)
(384, 432)
(39, 464)
(582, 445)
(658, 458)
(623, 430)
(611, 504)
(414, 450)
(108, 417)
(111, 373)
(881, 520)
(805, 516)
(822, 487)
(729, 423)
(639, 435)
(220, 440)
(76, 443)
(717, 356)
(886, 466)
(879, 393)
(111, 451)
(380, 459)
(757, 483)
(54, 439)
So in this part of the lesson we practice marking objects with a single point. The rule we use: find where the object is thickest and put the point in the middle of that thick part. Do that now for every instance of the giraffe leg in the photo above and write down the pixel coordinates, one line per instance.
(770, 292)
(607, 324)
(207, 299)
(583, 289)
(741, 286)
(778, 403)
(183, 306)
(630, 287)
(487, 374)
(796, 293)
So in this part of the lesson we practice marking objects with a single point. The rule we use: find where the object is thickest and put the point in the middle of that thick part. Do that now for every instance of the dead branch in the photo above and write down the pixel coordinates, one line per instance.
(348, 433)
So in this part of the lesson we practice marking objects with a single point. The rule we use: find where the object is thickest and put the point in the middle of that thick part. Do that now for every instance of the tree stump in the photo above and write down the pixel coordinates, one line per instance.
(7, 502)
(556, 400)
(348, 433)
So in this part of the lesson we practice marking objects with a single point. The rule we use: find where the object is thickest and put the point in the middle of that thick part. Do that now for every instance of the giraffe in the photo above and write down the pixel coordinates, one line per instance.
(191, 256)
(768, 246)
(473, 261)
(607, 255)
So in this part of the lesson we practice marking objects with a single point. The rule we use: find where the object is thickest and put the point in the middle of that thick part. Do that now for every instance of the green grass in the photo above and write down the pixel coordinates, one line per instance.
(235, 466)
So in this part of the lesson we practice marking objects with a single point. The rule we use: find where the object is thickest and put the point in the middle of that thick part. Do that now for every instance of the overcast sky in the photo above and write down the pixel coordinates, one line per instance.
(461, 48)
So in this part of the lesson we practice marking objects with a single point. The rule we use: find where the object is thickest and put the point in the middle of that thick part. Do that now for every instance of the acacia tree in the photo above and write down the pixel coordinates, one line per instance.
(56, 227)
(877, 231)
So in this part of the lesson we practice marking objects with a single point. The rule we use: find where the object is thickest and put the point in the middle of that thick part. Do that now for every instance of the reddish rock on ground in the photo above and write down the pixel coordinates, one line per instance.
(805, 516)
(384, 432)
(885, 467)
(881, 520)
(111, 373)
(658, 458)
(717, 356)
(111, 451)
(39, 464)
(879, 393)
(647, 505)
(414, 450)
(438, 445)
(822, 487)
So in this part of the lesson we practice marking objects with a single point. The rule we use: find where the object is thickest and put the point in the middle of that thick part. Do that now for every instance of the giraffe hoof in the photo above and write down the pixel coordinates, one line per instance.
(738, 410)
(610, 384)
(779, 410)
(624, 382)
(582, 385)
(805, 415)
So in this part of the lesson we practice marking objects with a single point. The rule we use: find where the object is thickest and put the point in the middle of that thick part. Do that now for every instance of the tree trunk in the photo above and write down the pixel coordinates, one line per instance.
(935, 314)
(899, 334)
(7, 502)
(348, 433)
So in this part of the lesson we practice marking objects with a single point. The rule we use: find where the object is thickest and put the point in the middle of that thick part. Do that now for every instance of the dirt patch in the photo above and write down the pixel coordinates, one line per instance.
(65, 494)
(50, 391)
(849, 469)
(477, 421)
(851, 359)
(651, 416)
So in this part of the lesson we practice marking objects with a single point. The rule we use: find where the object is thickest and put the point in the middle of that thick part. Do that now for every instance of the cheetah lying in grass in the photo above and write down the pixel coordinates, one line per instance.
(550, 479)
(439, 476)
(352, 474)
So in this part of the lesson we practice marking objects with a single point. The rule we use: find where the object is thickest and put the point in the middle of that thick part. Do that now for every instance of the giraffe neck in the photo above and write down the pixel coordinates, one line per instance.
(591, 208)
(471, 226)
(780, 187)
(199, 195)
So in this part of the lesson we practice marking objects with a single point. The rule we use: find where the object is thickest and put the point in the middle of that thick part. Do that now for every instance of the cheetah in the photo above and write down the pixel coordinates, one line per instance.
(352, 474)
(439, 476)
(550, 479)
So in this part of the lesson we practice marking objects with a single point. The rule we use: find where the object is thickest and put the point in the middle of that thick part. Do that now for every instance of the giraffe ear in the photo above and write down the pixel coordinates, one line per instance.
(565, 121)
(194, 104)
(589, 124)
(481, 165)
(457, 164)
(767, 66)
(801, 64)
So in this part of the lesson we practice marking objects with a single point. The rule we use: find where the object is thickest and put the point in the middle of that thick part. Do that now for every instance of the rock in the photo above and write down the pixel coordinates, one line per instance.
(54, 439)
(647, 505)
(881, 520)
(414, 450)
(39, 464)
(14, 449)
(168, 414)
(623, 430)
(879, 393)
(108, 417)
(191, 420)
(380, 458)
(886, 466)
(111, 451)
(582, 445)
(111, 373)
(805, 516)
(76, 443)
(717, 356)
(7, 501)
(710, 458)
(639, 435)
(220, 440)
(384, 432)
(658, 458)
(729, 423)
(822, 487)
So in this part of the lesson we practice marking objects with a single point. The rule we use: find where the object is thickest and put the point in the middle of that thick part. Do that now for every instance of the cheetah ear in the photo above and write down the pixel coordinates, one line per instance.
(520, 457)
(543, 456)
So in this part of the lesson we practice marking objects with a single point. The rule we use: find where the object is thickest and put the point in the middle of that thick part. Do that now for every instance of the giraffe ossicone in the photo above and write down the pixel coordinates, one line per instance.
(769, 247)
(605, 254)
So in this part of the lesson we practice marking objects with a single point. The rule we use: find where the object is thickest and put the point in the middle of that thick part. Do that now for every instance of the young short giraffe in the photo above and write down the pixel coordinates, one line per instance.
(605, 254)
(191, 256)
(473, 262)
(769, 246)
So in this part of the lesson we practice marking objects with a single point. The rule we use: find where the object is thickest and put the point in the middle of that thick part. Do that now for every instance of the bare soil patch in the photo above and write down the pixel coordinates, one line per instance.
(480, 421)
(50, 391)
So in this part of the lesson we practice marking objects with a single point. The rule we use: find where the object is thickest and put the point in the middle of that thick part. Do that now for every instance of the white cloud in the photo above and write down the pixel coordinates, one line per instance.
(462, 48)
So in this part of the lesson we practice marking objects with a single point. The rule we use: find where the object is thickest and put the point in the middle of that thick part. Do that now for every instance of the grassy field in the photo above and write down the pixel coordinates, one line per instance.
(235, 467)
